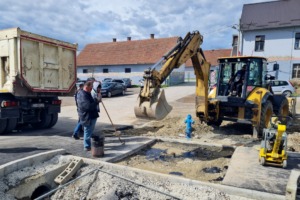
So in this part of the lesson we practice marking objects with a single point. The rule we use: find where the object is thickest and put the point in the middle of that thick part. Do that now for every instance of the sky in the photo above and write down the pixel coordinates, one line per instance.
(98, 21)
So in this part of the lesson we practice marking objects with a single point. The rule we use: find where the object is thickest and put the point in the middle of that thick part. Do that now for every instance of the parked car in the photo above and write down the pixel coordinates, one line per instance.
(128, 82)
(79, 83)
(120, 81)
(107, 80)
(112, 88)
(282, 87)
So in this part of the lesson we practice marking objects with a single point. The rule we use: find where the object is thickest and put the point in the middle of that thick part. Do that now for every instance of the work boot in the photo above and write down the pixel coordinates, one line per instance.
(75, 137)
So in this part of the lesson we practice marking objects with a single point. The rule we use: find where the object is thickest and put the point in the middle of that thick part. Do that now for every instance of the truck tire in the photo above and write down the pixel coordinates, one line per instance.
(54, 118)
(11, 124)
(3, 125)
(265, 117)
(45, 121)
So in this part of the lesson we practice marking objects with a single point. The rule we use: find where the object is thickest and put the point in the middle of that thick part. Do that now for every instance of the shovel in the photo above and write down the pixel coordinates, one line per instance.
(116, 133)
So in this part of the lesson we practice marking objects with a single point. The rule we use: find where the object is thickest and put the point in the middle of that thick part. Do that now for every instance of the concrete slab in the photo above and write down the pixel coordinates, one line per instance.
(244, 171)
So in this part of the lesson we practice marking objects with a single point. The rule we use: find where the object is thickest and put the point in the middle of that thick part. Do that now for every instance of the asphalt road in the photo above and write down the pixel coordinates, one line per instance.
(20, 144)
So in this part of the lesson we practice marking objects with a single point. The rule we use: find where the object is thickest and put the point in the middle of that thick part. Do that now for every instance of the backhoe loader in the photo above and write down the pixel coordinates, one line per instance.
(252, 102)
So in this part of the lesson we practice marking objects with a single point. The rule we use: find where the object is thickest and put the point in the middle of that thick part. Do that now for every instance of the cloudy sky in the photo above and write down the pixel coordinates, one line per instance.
(93, 21)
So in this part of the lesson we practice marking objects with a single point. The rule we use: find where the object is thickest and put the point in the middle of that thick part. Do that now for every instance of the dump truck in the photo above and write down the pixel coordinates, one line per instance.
(34, 71)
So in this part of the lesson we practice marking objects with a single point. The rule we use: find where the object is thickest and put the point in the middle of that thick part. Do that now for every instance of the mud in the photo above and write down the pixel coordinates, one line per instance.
(204, 163)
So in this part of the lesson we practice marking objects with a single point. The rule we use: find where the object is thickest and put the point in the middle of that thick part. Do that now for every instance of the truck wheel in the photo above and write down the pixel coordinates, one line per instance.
(44, 123)
(3, 125)
(265, 117)
(11, 124)
(54, 118)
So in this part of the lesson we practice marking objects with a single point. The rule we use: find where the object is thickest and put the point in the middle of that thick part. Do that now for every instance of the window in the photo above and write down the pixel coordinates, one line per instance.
(127, 70)
(105, 70)
(297, 41)
(84, 71)
(296, 71)
(259, 42)
(283, 83)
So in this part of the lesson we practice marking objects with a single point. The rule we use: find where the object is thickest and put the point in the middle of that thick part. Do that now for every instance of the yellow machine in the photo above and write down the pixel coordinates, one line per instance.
(254, 103)
(273, 149)
(151, 100)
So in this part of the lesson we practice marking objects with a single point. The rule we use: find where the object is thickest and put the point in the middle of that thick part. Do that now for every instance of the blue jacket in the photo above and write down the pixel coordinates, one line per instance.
(87, 107)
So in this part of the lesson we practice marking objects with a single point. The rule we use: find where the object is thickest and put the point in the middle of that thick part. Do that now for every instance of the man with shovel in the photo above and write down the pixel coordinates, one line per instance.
(87, 111)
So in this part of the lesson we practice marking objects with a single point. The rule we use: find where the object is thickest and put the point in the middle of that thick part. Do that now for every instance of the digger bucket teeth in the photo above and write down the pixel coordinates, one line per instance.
(158, 109)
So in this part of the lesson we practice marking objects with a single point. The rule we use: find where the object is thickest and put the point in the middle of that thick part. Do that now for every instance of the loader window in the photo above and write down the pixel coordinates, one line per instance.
(255, 74)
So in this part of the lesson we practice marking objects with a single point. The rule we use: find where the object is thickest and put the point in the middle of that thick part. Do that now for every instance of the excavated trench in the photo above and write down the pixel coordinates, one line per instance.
(197, 162)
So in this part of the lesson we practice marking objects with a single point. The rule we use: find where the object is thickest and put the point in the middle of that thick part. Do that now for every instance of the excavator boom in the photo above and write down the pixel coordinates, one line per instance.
(151, 101)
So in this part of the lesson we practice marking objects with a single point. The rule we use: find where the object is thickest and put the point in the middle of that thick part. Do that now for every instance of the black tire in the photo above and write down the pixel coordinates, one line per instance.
(109, 94)
(283, 110)
(54, 118)
(265, 117)
(45, 121)
(214, 123)
(11, 125)
(123, 92)
(3, 125)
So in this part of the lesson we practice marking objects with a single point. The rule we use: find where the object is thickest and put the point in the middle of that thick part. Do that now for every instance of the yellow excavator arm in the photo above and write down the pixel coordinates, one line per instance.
(151, 100)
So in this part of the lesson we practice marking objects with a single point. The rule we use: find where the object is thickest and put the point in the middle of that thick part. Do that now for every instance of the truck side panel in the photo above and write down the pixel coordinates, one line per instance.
(47, 67)
(39, 64)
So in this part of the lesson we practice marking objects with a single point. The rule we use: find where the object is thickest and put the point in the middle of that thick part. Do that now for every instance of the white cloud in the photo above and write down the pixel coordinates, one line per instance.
(91, 21)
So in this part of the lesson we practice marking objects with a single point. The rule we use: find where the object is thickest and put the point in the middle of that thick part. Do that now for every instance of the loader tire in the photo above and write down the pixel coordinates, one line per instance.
(3, 125)
(265, 117)
(54, 118)
(283, 110)
(214, 123)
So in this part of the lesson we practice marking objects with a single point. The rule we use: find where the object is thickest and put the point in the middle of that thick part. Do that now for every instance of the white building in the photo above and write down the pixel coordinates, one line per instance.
(126, 59)
(272, 30)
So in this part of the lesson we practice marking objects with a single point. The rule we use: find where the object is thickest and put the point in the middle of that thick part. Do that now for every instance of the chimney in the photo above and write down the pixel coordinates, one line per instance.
(128, 38)
(114, 39)
(152, 35)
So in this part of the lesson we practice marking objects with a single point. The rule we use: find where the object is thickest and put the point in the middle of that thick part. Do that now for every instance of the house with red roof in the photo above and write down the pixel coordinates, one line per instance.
(125, 59)
(129, 59)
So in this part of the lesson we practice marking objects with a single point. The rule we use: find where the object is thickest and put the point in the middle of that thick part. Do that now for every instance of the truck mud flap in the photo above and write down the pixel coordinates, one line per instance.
(9, 113)
(52, 109)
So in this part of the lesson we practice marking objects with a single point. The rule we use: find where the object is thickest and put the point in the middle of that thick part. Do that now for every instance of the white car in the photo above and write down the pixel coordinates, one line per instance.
(282, 87)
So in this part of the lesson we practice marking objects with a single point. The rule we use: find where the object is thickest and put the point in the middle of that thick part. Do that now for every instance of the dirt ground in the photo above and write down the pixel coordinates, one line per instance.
(204, 163)
(173, 126)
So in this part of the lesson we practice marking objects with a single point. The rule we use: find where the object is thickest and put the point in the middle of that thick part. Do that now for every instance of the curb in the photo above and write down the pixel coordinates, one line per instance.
(184, 181)
(28, 161)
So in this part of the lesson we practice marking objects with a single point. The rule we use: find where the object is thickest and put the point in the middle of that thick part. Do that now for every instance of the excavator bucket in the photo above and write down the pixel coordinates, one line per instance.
(157, 108)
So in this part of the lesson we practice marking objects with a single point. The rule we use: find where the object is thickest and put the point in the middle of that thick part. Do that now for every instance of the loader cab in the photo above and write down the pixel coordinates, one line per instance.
(229, 83)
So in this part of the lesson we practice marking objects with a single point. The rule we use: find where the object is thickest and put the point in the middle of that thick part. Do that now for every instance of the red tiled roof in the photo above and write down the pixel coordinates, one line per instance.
(212, 56)
(147, 51)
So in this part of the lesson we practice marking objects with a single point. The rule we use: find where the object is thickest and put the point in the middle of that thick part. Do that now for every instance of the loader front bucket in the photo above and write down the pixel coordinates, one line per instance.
(157, 108)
